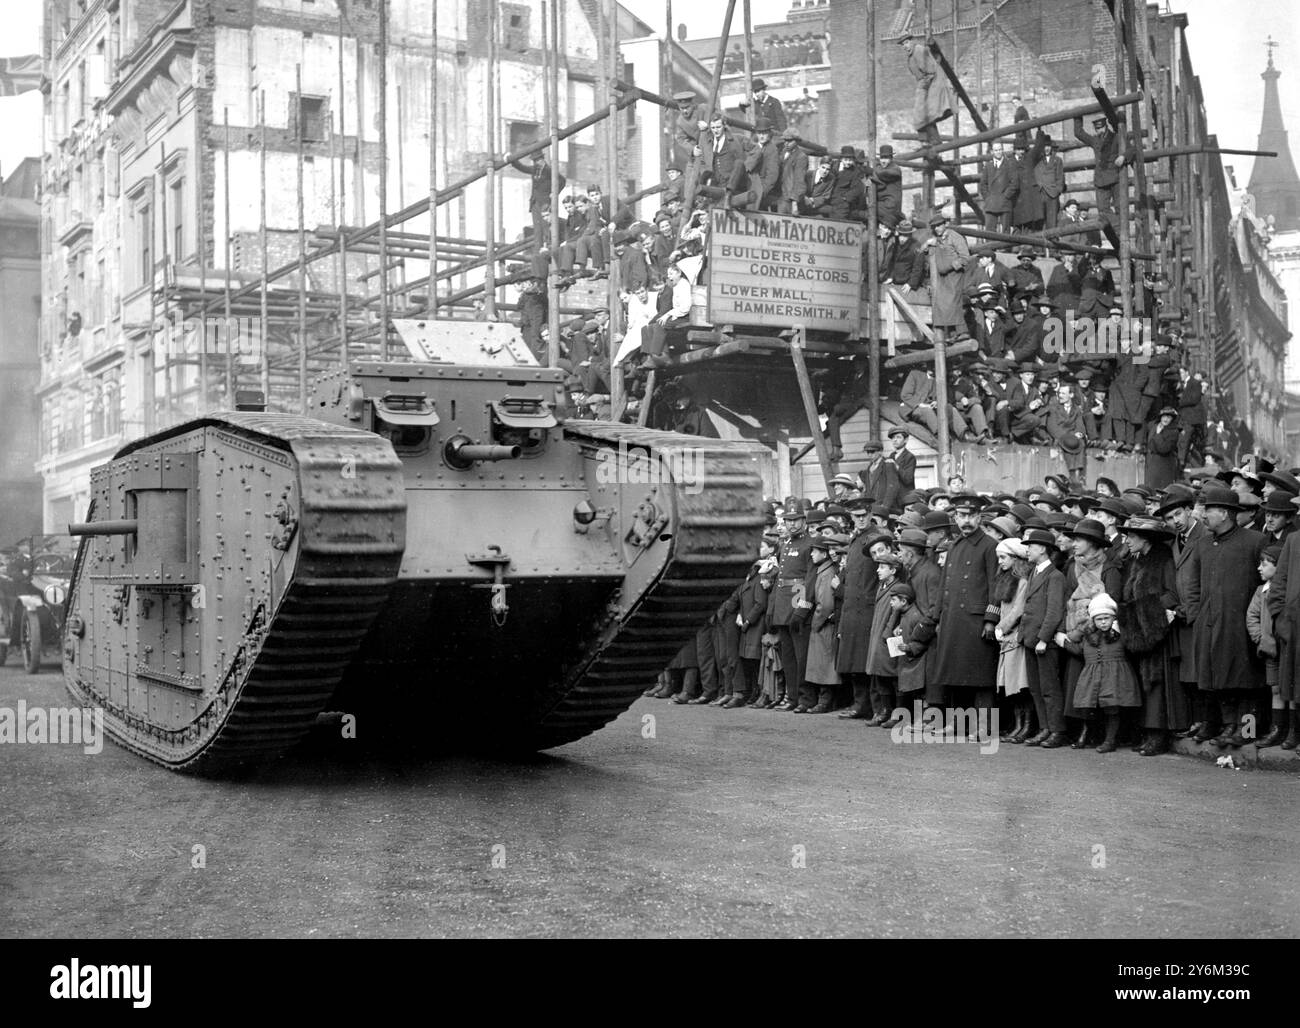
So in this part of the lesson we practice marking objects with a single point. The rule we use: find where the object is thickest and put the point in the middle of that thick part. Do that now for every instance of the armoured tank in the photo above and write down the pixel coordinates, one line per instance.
(432, 544)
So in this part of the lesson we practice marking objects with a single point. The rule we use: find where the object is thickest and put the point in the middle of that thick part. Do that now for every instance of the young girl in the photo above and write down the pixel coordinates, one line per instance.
(1009, 590)
(1107, 681)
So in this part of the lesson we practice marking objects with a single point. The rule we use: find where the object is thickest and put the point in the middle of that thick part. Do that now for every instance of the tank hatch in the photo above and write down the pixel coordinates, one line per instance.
(479, 343)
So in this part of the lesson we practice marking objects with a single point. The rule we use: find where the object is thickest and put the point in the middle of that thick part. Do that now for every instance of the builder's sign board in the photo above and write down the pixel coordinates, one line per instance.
(779, 270)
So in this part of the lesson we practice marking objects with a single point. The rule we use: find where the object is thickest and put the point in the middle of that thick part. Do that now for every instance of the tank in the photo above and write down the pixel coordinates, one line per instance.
(433, 545)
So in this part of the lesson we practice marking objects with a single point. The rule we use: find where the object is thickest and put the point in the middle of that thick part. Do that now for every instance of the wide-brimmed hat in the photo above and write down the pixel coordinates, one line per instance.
(1060, 481)
(1038, 535)
(1242, 472)
(1005, 526)
(912, 537)
(844, 478)
(1283, 480)
(905, 227)
(1175, 496)
(1087, 528)
(1215, 495)
(1115, 507)
(1114, 487)
(1152, 527)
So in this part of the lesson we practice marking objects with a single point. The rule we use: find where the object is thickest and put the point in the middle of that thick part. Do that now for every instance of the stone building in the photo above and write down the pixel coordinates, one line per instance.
(20, 370)
(177, 136)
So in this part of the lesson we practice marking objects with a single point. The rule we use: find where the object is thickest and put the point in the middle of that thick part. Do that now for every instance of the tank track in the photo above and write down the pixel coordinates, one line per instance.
(714, 543)
(291, 658)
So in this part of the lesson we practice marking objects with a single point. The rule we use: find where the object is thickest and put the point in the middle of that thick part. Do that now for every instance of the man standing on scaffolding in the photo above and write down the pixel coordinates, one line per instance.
(1109, 160)
(933, 100)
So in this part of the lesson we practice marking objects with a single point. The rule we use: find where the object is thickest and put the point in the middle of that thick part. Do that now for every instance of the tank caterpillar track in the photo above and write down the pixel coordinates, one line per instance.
(717, 520)
(290, 658)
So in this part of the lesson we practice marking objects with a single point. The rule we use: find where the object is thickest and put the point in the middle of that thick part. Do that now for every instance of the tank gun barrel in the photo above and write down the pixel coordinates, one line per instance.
(122, 527)
(461, 452)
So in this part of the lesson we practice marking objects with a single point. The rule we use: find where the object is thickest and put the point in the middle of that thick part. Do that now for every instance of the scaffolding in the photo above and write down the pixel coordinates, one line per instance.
(335, 300)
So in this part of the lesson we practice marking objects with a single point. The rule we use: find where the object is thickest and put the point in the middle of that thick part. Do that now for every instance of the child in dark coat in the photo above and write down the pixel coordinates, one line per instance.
(1107, 680)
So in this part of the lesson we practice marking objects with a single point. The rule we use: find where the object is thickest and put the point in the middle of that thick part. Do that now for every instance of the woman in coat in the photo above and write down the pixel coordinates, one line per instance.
(1083, 581)
(858, 583)
(1162, 450)
(1147, 604)
(1009, 590)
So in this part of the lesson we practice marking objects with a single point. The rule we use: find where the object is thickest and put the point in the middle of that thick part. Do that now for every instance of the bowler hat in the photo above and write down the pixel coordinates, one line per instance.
(848, 151)
(1280, 503)
(1088, 528)
(759, 85)
(886, 150)
(1038, 535)
(935, 520)
(1215, 495)
(1026, 367)
(816, 516)
(1049, 500)
(762, 125)
(1026, 251)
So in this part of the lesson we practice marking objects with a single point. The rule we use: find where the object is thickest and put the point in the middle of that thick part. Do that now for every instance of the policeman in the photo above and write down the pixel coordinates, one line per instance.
(788, 601)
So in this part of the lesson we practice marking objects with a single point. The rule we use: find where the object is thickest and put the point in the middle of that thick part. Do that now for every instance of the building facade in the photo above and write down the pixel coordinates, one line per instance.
(191, 146)
(20, 369)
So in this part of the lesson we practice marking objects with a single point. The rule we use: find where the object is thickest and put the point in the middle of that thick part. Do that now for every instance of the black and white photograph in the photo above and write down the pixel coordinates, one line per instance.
(409, 408)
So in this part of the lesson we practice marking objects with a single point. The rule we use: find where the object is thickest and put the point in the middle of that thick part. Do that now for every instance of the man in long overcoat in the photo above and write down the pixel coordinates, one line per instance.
(1176, 508)
(932, 101)
(965, 655)
(999, 187)
(858, 580)
(1226, 661)
(951, 256)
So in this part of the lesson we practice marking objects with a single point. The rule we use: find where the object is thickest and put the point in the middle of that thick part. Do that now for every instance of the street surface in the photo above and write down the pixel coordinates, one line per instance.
(693, 832)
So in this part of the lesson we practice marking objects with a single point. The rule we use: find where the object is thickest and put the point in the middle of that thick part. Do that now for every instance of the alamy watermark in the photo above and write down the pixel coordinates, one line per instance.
(633, 465)
(1094, 337)
(58, 726)
(240, 339)
(929, 725)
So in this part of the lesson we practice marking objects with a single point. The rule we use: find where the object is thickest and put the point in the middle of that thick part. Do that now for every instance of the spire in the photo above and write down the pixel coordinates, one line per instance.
(1273, 180)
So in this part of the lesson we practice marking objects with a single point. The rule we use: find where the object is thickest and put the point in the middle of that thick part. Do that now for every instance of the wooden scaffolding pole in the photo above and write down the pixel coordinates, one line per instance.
(302, 255)
(797, 342)
(943, 450)
(608, 73)
(873, 242)
(343, 205)
(225, 201)
(711, 102)
(383, 179)
(748, 59)
(551, 48)
(263, 328)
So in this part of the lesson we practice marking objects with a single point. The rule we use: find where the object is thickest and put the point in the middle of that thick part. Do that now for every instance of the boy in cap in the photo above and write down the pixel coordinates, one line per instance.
(1044, 614)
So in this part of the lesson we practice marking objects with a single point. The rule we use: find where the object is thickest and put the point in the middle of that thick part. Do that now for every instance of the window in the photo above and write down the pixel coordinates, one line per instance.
(105, 396)
(176, 219)
(515, 20)
(312, 113)
(522, 133)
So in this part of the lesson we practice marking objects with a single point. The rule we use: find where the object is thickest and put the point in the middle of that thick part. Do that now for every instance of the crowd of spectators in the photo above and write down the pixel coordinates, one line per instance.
(1082, 616)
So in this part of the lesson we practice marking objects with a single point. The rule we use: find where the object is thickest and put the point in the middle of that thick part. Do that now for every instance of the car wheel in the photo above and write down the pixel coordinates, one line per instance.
(32, 643)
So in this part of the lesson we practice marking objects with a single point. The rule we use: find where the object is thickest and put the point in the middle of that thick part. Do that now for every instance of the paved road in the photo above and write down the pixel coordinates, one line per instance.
(692, 832)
